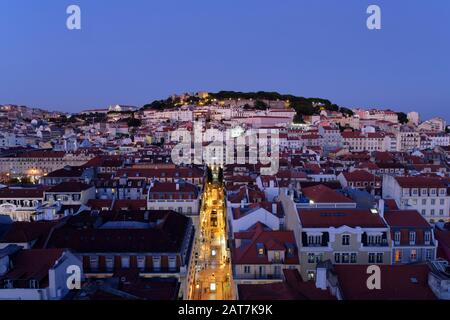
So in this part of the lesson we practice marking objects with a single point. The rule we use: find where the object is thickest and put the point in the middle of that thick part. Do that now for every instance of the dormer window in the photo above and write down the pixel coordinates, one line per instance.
(290, 249)
(260, 249)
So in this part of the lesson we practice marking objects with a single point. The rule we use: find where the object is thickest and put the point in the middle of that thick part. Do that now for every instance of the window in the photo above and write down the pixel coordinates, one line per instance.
(432, 191)
(246, 269)
(398, 256)
(346, 240)
(337, 257)
(413, 255)
(397, 237)
(290, 249)
(353, 258)
(441, 212)
(379, 257)
(314, 240)
(433, 202)
(374, 239)
(260, 249)
(371, 257)
(109, 261)
(311, 275)
(424, 202)
(277, 256)
(172, 263)
(34, 284)
(424, 212)
(412, 237)
(345, 258)
(442, 201)
(432, 212)
(277, 271)
(93, 261)
(141, 262)
(157, 263)
(427, 237)
(262, 271)
(429, 254)
(125, 262)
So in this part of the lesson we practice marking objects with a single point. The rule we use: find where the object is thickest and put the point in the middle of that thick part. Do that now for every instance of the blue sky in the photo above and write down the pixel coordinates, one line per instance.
(135, 51)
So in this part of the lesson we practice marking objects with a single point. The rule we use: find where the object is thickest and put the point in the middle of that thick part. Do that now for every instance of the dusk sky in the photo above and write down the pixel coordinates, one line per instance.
(132, 52)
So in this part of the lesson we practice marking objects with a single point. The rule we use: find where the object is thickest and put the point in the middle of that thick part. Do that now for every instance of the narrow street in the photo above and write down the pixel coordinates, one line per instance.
(212, 280)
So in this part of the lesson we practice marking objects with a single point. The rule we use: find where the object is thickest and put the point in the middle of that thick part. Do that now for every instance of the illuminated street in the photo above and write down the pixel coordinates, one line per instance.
(212, 280)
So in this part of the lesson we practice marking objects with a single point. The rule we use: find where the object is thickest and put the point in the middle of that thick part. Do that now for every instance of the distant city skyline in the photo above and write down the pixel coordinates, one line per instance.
(134, 54)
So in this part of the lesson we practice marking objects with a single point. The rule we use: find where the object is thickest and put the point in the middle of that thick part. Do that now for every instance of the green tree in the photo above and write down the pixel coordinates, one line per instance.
(402, 117)
(261, 105)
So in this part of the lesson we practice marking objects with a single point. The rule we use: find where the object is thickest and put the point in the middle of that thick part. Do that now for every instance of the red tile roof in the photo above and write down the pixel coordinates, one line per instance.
(325, 218)
(405, 218)
(272, 240)
(24, 232)
(397, 283)
(87, 237)
(293, 288)
(360, 175)
(69, 187)
(323, 194)
(421, 182)
(443, 237)
(25, 193)
(33, 264)
(68, 172)
(131, 205)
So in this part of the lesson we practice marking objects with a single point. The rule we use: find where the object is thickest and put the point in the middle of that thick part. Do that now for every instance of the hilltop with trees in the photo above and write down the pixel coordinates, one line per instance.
(303, 106)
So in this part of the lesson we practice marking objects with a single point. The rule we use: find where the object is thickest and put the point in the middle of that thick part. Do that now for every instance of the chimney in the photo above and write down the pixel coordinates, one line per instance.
(274, 208)
(381, 208)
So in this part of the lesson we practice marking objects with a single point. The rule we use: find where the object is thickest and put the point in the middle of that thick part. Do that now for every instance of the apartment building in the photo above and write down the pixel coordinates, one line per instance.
(343, 236)
(428, 195)
(259, 255)
(36, 274)
(20, 203)
(412, 237)
(39, 163)
(182, 197)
